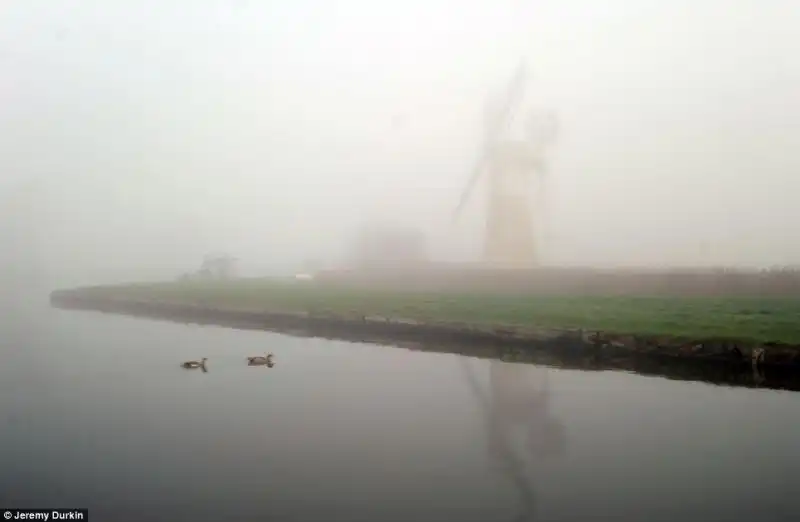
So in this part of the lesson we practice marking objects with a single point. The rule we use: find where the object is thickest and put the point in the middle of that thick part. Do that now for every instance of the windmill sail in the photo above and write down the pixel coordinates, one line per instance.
(497, 122)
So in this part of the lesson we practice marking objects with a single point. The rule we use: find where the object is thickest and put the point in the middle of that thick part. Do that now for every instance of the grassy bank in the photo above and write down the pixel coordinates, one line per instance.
(746, 319)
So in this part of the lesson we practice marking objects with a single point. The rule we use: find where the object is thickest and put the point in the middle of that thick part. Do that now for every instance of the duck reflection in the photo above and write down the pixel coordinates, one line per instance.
(518, 404)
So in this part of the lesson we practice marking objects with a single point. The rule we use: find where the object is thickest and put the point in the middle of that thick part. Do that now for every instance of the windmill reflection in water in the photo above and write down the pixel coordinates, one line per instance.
(517, 402)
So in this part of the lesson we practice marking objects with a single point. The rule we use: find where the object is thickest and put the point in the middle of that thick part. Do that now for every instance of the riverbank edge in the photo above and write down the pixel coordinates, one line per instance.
(392, 330)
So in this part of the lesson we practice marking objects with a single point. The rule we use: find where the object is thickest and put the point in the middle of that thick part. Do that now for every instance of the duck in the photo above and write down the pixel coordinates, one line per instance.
(195, 364)
(258, 360)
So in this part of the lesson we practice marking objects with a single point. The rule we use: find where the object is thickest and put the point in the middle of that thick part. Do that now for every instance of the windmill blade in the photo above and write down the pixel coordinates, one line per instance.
(477, 170)
(495, 125)
(513, 96)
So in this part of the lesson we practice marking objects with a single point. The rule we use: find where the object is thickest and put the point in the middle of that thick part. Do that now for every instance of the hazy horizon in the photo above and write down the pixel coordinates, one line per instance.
(140, 136)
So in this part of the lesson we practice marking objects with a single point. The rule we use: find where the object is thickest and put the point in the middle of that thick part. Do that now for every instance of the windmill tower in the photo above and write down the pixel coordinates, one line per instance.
(510, 166)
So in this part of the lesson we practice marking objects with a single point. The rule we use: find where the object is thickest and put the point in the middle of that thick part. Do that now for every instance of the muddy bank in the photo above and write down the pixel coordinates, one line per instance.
(710, 372)
(469, 339)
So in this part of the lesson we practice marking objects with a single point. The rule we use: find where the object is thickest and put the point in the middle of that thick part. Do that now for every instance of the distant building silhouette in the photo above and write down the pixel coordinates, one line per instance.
(215, 266)
(382, 246)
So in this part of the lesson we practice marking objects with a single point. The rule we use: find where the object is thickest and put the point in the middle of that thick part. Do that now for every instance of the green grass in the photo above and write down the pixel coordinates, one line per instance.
(758, 320)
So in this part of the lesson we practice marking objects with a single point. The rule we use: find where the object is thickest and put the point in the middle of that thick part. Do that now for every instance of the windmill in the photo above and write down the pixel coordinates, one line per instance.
(509, 165)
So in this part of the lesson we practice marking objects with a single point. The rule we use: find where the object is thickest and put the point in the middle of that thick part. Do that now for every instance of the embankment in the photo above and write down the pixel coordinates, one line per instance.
(213, 306)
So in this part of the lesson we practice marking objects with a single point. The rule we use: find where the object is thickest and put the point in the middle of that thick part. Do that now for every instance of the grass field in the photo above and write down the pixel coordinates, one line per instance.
(746, 319)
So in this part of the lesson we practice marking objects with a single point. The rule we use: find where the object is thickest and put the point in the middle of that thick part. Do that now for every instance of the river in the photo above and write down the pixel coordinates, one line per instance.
(97, 413)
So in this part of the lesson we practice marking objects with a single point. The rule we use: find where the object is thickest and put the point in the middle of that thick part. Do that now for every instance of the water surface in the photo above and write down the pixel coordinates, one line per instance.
(96, 413)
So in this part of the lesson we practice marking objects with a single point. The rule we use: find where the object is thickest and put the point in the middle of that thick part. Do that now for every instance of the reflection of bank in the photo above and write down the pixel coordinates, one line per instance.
(518, 405)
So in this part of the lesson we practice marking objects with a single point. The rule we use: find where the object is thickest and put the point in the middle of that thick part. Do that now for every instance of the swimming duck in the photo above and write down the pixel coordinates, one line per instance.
(258, 360)
(195, 364)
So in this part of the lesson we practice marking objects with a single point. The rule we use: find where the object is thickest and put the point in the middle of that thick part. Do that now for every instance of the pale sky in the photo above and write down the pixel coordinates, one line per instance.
(154, 132)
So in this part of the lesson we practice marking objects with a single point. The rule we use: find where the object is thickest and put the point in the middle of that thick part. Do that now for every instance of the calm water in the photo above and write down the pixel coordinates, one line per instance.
(96, 413)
